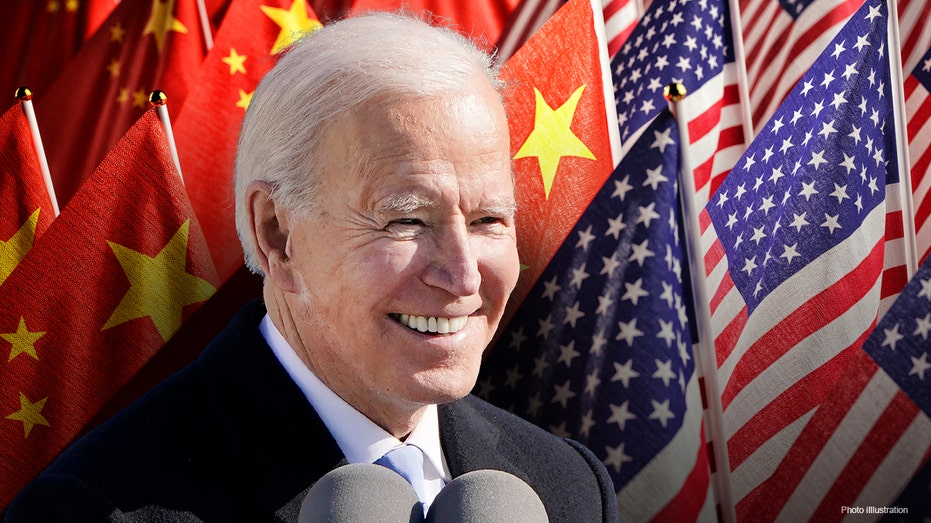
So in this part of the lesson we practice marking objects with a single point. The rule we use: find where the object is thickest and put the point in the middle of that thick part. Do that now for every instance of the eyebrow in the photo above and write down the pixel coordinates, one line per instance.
(408, 203)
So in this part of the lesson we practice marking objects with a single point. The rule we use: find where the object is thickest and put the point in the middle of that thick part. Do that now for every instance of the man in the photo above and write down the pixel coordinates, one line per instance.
(374, 194)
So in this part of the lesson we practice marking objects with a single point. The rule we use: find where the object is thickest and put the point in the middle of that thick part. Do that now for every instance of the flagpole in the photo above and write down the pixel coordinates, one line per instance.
(674, 93)
(205, 24)
(24, 95)
(159, 100)
(740, 62)
(897, 83)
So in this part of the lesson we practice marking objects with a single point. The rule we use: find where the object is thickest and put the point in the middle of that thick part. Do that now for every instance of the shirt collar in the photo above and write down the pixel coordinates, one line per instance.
(360, 439)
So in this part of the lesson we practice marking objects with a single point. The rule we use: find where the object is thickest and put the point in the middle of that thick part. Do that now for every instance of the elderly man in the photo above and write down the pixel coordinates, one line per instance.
(375, 196)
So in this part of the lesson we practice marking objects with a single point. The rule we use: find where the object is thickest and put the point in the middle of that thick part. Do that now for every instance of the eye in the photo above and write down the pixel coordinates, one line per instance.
(486, 220)
(405, 227)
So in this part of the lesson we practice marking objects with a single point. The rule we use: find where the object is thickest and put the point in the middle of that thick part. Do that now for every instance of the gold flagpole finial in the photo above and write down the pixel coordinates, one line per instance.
(23, 94)
(158, 98)
(675, 92)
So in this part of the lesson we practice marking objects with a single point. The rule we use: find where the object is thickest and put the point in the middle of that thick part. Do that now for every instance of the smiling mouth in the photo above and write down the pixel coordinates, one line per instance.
(431, 324)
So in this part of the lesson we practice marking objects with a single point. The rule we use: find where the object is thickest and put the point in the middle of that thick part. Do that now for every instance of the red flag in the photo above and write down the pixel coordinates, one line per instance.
(207, 128)
(39, 38)
(25, 207)
(102, 290)
(480, 20)
(559, 168)
(146, 45)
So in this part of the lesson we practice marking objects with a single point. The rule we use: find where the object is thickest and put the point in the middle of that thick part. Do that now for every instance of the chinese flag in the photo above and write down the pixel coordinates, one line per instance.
(25, 207)
(38, 39)
(110, 281)
(480, 20)
(207, 128)
(142, 46)
(563, 131)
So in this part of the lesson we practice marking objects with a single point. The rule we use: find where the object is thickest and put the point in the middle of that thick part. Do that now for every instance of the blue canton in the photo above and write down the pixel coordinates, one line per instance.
(817, 168)
(600, 349)
(676, 40)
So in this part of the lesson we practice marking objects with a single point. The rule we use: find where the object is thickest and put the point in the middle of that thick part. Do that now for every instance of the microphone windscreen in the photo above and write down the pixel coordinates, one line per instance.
(361, 492)
(487, 496)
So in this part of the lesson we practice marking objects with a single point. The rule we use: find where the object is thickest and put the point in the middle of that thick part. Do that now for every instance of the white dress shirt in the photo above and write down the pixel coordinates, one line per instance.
(360, 439)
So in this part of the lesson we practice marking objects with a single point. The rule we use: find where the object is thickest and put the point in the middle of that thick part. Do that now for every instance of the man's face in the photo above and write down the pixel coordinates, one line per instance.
(406, 263)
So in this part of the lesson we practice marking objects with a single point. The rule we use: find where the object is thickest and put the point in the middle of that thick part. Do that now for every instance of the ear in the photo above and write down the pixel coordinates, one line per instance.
(270, 227)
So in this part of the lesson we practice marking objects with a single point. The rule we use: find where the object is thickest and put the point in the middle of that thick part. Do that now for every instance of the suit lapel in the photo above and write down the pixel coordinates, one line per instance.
(270, 428)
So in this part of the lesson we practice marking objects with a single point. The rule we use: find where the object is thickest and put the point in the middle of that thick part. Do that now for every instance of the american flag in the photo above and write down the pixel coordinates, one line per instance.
(600, 348)
(918, 109)
(782, 39)
(796, 241)
(687, 41)
(872, 433)
(620, 18)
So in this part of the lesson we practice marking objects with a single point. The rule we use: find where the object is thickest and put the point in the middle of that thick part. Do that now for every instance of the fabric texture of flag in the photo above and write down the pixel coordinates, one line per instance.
(796, 244)
(620, 20)
(688, 42)
(207, 127)
(26, 210)
(101, 291)
(562, 137)
(600, 349)
(871, 434)
(142, 46)
(918, 109)
(38, 40)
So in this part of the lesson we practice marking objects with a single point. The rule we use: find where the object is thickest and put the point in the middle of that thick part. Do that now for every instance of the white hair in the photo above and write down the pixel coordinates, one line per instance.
(339, 67)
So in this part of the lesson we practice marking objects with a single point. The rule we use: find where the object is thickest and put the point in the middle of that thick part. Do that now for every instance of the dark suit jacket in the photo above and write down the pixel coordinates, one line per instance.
(232, 438)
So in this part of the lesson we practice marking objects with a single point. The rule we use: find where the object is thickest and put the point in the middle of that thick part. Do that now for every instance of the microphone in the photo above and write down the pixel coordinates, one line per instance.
(487, 496)
(361, 492)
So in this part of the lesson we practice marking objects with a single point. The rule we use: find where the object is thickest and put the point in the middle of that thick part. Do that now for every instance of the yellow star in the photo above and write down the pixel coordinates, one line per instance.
(294, 23)
(29, 413)
(123, 97)
(236, 62)
(551, 138)
(14, 250)
(160, 286)
(72, 6)
(114, 68)
(244, 99)
(162, 21)
(23, 340)
(140, 98)
(52, 6)
(116, 33)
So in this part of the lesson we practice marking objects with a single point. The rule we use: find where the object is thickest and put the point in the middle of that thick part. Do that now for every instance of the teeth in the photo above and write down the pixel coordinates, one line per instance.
(433, 324)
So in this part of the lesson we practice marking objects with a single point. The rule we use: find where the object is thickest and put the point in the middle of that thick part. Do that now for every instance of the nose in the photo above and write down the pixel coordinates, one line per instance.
(454, 264)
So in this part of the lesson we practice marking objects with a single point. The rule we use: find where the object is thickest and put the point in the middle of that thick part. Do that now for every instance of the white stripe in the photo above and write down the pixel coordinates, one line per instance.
(763, 462)
(807, 356)
(807, 283)
(839, 448)
(661, 480)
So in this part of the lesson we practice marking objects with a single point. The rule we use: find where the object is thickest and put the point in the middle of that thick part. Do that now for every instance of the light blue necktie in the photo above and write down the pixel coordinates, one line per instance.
(407, 460)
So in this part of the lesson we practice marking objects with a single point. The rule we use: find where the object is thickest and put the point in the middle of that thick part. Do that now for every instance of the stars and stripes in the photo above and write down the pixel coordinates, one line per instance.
(600, 349)
(797, 247)
(688, 41)
(918, 108)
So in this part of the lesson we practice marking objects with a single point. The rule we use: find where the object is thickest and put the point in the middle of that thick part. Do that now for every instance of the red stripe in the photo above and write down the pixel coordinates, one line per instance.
(894, 280)
(704, 123)
(702, 173)
(723, 289)
(704, 220)
(822, 309)
(909, 85)
(687, 504)
(895, 229)
(884, 434)
(613, 7)
(714, 256)
(726, 341)
(918, 120)
(731, 137)
(765, 501)
(911, 41)
(770, 57)
(919, 170)
(796, 401)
